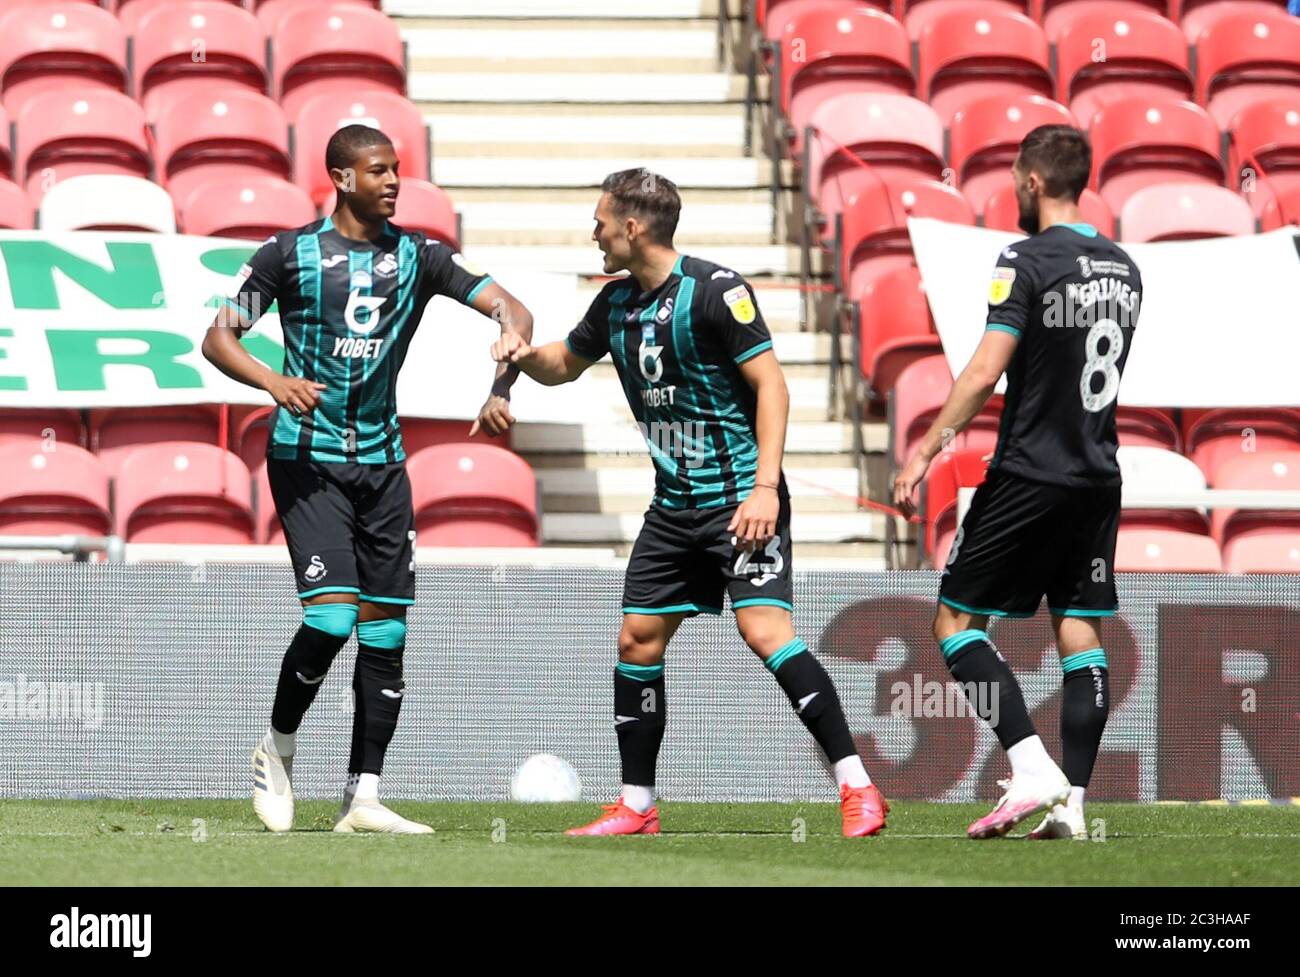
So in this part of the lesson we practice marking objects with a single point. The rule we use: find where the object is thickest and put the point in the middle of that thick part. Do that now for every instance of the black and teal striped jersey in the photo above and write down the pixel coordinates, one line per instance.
(348, 310)
(678, 350)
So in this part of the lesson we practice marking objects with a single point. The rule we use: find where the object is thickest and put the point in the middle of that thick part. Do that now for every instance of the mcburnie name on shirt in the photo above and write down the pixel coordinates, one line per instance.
(92, 931)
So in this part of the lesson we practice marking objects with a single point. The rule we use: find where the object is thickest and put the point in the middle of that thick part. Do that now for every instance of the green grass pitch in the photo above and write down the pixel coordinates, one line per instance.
(148, 842)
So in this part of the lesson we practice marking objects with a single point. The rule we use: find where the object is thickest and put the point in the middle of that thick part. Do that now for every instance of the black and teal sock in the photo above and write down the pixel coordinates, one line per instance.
(812, 694)
(324, 631)
(975, 662)
(1085, 706)
(639, 718)
(378, 689)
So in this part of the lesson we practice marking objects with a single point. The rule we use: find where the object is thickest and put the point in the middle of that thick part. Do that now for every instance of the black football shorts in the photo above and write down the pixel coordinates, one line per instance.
(684, 560)
(1023, 540)
(350, 527)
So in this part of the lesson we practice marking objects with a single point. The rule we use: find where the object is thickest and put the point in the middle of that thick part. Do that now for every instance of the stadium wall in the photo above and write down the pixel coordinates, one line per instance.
(153, 680)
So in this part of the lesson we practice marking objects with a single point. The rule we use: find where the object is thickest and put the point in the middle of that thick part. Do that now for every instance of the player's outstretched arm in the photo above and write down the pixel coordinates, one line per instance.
(514, 319)
(222, 348)
(551, 364)
(970, 392)
(755, 519)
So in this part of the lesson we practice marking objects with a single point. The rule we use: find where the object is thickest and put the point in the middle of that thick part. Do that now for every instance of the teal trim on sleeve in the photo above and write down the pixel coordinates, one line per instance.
(1092, 658)
(754, 351)
(1002, 327)
(388, 633)
(1087, 230)
(688, 608)
(473, 292)
(956, 642)
(992, 612)
(761, 602)
(785, 653)
(371, 598)
(640, 673)
(329, 590)
(338, 618)
(1083, 612)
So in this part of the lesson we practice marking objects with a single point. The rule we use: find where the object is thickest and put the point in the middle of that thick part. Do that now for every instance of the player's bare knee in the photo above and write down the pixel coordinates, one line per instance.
(949, 620)
(765, 637)
(640, 644)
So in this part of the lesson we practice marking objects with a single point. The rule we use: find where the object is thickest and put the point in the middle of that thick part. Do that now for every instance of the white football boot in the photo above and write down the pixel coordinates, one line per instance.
(1062, 821)
(1024, 797)
(370, 815)
(272, 787)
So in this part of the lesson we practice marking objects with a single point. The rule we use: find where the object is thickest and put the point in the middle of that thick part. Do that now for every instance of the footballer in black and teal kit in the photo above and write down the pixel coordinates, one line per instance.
(695, 360)
(677, 350)
(350, 290)
(1062, 313)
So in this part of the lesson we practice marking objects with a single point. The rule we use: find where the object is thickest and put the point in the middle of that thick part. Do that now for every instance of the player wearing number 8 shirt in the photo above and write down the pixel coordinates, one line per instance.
(1062, 310)
(695, 361)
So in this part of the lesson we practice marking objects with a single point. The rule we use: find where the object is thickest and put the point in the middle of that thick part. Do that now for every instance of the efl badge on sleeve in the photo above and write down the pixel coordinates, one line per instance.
(1000, 286)
(740, 304)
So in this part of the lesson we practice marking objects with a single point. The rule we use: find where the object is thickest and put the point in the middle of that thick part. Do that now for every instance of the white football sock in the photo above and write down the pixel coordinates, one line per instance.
(851, 771)
(1029, 758)
(284, 743)
(639, 799)
(1075, 803)
(368, 787)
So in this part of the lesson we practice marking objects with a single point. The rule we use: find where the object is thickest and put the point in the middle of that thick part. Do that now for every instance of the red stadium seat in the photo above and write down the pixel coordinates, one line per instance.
(41, 426)
(1264, 549)
(270, 13)
(950, 472)
(252, 208)
(918, 16)
(16, 210)
(1105, 54)
(1003, 213)
(418, 433)
(1147, 427)
(895, 327)
(473, 495)
(421, 206)
(131, 12)
(1244, 57)
(204, 135)
(64, 133)
(52, 492)
(1196, 15)
(1057, 15)
(338, 49)
(773, 26)
(1219, 436)
(184, 492)
(985, 136)
(1264, 148)
(1139, 142)
(268, 532)
(233, 50)
(1165, 551)
(70, 47)
(968, 54)
(116, 431)
(773, 15)
(1184, 212)
(1281, 209)
(825, 53)
(900, 137)
(873, 226)
(1261, 470)
(321, 117)
(251, 434)
(919, 392)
